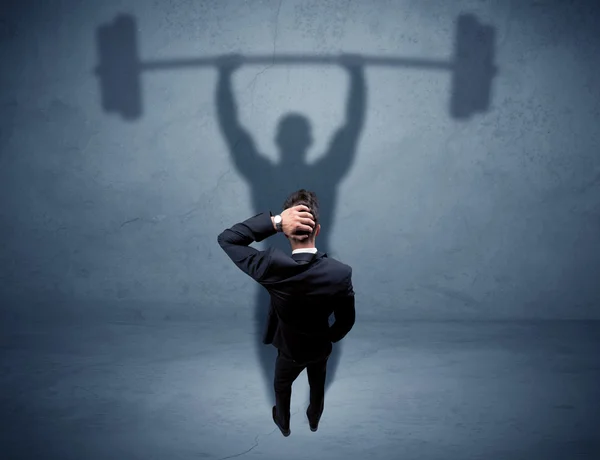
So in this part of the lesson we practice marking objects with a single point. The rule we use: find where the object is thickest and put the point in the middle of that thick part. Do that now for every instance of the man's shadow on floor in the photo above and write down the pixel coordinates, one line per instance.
(271, 183)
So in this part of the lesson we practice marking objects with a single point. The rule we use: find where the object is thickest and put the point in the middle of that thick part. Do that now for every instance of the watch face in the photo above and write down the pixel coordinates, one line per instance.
(277, 219)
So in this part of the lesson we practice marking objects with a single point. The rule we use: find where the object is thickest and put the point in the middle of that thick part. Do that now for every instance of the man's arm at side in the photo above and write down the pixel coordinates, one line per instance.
(235, 242)
(345, 313)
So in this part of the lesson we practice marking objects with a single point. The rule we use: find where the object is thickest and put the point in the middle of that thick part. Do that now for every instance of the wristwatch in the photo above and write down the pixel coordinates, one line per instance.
(277, 220)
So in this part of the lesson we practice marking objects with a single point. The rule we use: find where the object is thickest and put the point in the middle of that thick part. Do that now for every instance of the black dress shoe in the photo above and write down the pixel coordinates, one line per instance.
(287, 432)
(311, 423)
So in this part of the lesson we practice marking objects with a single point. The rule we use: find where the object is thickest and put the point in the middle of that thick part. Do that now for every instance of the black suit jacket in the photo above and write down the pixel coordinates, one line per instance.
(304, 289)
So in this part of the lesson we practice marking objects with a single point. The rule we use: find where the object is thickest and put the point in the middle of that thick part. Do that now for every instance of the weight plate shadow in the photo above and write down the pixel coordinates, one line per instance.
(119, 71)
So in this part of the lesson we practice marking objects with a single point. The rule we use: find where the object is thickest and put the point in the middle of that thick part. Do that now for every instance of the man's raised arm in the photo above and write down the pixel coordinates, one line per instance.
(342, 149)
(247, 160)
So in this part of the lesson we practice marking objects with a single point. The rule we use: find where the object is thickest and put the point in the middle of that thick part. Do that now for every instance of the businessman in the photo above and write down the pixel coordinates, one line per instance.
(304, 288)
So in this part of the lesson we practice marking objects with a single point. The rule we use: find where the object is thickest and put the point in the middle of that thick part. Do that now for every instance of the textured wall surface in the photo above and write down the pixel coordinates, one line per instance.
(497, 216)
(127, 333)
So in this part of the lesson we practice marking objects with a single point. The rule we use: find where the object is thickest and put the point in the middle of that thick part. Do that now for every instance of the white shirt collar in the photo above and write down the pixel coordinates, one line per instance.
(311, 250)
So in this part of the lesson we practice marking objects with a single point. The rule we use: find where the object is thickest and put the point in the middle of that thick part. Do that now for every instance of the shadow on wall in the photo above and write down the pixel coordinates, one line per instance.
(271, 183)
(472, 67)
(472, 71)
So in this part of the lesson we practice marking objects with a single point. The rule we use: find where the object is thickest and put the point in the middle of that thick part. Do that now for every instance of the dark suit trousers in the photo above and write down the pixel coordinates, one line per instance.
(286, 371)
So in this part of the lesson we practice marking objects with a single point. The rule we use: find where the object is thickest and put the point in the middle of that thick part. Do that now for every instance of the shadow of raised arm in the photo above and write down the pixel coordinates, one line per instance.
(247, 160)
(342, 149)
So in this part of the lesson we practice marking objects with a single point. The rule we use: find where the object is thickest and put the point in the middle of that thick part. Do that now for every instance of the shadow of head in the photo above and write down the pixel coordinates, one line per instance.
(294, 137)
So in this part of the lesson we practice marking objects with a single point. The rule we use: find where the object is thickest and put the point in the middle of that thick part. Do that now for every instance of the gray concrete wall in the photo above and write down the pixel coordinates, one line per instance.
(493, 217)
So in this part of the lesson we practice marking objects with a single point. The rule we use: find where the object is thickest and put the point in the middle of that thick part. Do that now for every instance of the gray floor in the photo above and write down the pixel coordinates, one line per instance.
(417, 390)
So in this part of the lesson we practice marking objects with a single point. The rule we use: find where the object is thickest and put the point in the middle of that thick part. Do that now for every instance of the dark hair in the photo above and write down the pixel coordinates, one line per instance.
(306, 198)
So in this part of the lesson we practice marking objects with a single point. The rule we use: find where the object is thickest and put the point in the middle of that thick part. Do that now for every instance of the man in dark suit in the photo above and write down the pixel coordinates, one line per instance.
(304, 290)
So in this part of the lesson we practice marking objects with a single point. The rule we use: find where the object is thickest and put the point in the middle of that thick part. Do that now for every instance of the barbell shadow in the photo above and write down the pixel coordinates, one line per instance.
(472, 66)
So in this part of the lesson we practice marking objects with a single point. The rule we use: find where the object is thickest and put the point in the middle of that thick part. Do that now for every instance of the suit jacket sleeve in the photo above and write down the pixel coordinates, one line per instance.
(235, 242)
(344, 311)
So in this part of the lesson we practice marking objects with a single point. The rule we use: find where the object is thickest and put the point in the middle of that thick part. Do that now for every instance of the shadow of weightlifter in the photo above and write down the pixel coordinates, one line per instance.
(271, 182)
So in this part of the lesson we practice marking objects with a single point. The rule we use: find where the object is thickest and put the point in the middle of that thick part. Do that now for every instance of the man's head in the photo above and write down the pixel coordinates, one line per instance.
(309, 199)
(293, 137)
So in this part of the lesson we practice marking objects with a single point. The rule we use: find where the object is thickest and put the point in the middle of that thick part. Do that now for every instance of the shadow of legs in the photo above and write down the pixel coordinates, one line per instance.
(317, 375)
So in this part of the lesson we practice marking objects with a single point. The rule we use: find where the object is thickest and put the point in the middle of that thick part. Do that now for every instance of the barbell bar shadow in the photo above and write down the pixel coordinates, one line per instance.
(472, 66)
(296, 59)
